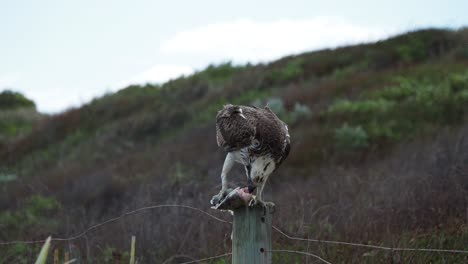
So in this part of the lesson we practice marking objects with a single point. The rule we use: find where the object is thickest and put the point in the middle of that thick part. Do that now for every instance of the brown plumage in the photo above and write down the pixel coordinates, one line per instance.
(254, 137)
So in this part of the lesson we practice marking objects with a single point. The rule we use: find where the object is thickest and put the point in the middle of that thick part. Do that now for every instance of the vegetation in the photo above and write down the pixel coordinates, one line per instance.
(379, 156)
(14, 100)
(17, 116)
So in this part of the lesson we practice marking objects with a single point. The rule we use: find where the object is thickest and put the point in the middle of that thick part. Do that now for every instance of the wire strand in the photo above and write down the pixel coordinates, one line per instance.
(229, 222)
(210, 258)
(371, 246)
(301, 252)
(115, 219)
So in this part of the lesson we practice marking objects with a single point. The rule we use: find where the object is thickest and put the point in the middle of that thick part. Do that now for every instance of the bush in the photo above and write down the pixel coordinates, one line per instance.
(458, 82)
(299, 111)
(398, 111)
(400, 92)
(412, 52)
(292, 70)
(17, 122)
(35, 214)
(349, 138)
(221, 72)
(367, 107)
(14, 100)
(461, 53)
(387, 129)
(277, 106)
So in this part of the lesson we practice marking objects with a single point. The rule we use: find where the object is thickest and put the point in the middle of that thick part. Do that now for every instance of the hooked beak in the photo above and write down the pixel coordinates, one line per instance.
(242, 114)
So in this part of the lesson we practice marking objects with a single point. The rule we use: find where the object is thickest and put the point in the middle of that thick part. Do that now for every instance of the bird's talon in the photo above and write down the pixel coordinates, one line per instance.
(271, 206)
(216, 199)
(255, 202)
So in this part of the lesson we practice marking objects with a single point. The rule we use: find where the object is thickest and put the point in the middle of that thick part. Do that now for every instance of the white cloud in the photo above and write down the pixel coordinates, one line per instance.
(247, 40)
(241, 41)
(158, 74)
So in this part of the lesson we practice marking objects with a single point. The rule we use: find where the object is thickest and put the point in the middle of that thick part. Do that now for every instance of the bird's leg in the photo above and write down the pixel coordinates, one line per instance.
(257, 199)
(250, 185)
(228, 163)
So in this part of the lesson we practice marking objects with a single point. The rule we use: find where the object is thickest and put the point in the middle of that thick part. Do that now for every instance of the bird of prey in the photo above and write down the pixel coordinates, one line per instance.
(254, 137)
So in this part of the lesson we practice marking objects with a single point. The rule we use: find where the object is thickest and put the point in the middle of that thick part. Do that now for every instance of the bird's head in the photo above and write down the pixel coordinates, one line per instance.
(230, 110)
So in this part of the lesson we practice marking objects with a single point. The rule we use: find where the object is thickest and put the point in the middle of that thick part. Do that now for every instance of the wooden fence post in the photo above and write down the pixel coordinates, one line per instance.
(56, 256)
(132, 251)
(251, 235)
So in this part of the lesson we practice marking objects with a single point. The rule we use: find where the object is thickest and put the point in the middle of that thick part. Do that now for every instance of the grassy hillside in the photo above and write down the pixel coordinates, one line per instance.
(379, 155)
(18, 116)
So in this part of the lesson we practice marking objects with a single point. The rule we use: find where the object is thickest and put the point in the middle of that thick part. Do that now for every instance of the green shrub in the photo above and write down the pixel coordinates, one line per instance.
(17, 253)
(410, 106)
(458, 82)
(404, 90)
(367, 107)
(7, 177)
(17, 122)
(38, 205)
(220, 72)
(14, 100)
(292, 70)
(415, 47)
(461, 53)
(349, 138)
(35, 214)
(462, 98)
(387, 129)
(277, 106)
(299, 111)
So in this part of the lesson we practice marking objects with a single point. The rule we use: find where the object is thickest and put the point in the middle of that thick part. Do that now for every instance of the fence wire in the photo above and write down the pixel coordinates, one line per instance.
(302, 253)
(115, 219)
(370, 246)
(83, 233)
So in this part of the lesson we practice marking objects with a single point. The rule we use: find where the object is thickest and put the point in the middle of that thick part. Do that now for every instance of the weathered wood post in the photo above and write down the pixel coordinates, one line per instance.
(251, 235)
(56, 256)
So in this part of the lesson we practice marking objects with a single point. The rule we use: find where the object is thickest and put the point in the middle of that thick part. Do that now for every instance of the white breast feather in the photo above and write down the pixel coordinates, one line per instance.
(262, 166)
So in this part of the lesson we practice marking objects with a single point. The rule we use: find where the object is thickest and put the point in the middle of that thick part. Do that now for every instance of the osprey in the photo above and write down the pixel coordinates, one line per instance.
(254, 137)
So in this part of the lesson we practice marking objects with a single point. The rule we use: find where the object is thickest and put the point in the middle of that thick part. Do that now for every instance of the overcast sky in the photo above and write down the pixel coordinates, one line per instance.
(63, 53)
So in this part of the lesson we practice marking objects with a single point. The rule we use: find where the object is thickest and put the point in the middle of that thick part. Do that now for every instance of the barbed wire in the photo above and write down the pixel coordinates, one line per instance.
(273, 251)
(300, 252)
(229, 253)
(210, 258)
(370, 246)
(83, 233)
(115, 219)
(171, 258)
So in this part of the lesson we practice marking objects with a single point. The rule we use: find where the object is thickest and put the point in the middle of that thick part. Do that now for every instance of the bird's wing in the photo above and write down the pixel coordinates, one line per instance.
(219, 137)
(268, 109)
(234, 135)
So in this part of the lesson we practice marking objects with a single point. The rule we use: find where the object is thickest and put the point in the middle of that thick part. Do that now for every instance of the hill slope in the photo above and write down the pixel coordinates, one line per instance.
(379, 155)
